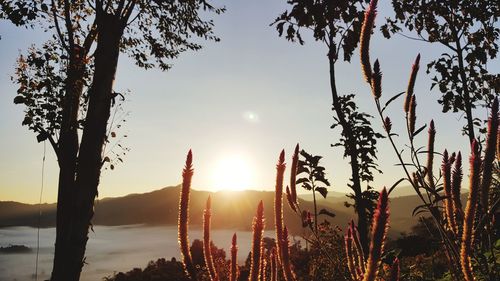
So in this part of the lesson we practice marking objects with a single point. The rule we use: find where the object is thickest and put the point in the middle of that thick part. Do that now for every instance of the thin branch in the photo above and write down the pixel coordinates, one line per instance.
(128, 10)
(90, 5)
(343, 36)
(119, 9)
(53, 143)
(412, 38)
(69, 24)
(58, 28)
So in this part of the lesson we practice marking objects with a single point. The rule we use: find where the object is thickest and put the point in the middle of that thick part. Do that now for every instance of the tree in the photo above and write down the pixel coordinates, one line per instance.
(468, 31)
(337, 24)
(62, 80)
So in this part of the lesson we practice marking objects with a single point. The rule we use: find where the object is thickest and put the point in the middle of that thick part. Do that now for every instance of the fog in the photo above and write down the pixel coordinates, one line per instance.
(110, 249)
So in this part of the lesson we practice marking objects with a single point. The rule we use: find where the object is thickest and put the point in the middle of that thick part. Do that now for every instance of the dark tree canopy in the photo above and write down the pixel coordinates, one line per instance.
(335, 23)
(470, 33)
(155, 33)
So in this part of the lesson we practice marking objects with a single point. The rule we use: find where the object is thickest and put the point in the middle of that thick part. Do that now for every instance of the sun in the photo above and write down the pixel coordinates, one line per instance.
(232, 172)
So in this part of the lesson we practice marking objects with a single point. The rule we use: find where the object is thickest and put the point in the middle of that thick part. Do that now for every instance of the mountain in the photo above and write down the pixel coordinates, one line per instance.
(230, 210)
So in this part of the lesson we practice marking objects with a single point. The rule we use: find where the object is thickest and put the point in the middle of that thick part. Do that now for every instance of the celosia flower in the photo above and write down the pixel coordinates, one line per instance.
(234, 262)
(366, 33)
(187, 175)
(207, 249)
(379, 231)
(258, 231)
(470, 212)
(411, 83)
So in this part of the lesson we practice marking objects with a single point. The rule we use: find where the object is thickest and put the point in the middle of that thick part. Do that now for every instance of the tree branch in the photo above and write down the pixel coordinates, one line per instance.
(69, 25)
(58, 28)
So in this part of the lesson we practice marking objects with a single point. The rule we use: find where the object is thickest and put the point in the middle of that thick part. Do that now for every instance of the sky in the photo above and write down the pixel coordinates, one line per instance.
(235, 103)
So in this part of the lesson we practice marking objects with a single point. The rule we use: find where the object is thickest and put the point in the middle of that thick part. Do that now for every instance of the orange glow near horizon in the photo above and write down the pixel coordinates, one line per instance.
(232, 172)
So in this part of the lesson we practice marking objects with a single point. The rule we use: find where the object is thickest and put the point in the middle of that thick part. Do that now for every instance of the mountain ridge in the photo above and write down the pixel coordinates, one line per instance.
(230, 209)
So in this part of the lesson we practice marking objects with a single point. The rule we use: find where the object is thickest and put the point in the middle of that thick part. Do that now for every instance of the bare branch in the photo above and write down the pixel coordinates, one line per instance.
(58, 28)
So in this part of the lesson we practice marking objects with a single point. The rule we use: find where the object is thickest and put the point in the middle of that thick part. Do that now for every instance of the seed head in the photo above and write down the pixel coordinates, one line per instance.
(470, 212)
(411, 83)
(278, 201)
(387, 124)
(456, 184)
(489, 156)
(183, 221)
(258, 231)
(285, 257)
(379, 231)
(366, 33)
(376, 81)
(430, 155)
(293, 174)
(448, 202)
(412, 115)
(207, 242)
(234, 261)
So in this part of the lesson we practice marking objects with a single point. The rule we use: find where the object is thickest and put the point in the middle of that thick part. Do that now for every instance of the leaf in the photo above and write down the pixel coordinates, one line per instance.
(322, 190)
(301, 169)
(391, 100)
(301, 180)
(306, 185)
(323, 180)
(42, 136)
(113, 134)
(18, 100)
(112, 167)
(419, 209)
(419, 130)
(106, 159)
(326, 212)
(395, 185)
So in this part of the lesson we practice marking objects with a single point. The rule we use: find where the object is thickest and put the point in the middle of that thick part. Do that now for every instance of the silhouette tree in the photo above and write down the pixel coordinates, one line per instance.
(469, 33)
(62, 80)
(312, 177)
(337, 24)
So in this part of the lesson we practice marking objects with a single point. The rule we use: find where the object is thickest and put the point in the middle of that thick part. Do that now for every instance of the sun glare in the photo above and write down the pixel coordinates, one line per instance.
(232, 173)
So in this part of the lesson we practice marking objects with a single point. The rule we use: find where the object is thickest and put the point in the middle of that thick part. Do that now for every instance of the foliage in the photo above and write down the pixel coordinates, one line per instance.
(366, 141)
(19, 13)
(366, 137)
(336, 23)
(173, 269)
(41, 88)
(160, 270)
(470, 34)
(159, 32)
(314, 178)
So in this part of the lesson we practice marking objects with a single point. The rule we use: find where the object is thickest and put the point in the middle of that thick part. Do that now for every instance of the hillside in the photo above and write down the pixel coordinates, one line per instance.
(229, 210)
(233, 209)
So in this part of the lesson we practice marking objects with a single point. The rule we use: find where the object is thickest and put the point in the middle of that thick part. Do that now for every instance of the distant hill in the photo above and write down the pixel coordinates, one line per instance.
(230, 209)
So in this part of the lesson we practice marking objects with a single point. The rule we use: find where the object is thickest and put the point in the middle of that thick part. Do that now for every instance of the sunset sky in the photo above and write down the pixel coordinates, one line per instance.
(236, 103)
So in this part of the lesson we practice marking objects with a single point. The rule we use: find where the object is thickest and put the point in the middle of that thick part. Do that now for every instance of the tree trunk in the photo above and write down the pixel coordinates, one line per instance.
(67, 150)
(465, 86)
(88, 169)
(353, 154)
